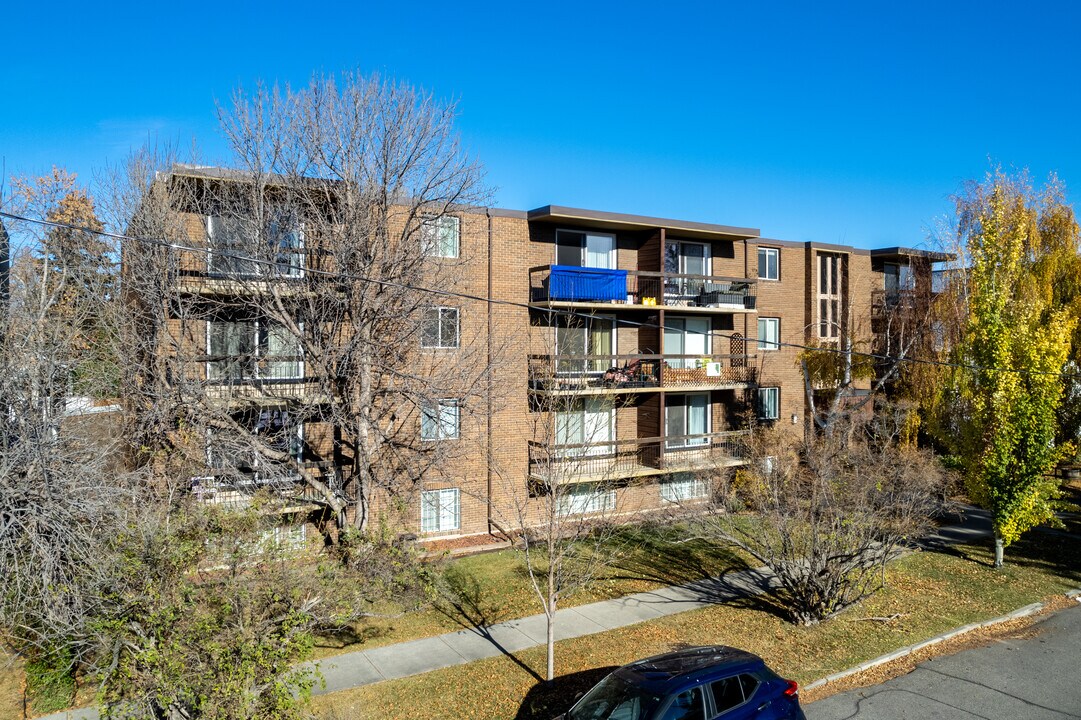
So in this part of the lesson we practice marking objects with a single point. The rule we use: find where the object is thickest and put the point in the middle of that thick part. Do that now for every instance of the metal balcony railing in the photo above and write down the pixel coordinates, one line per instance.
(639, 288)
(613, 459)
(235, 488)
(596, 373)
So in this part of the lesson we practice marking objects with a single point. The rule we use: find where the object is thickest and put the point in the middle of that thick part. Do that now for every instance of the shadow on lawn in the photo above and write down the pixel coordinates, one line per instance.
(659, 555)
(1043, 548)
(462, 600)
(706, 572)
(546, 700)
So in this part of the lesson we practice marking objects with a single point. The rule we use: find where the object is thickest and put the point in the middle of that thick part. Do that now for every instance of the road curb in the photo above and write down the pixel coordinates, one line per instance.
(908, 650)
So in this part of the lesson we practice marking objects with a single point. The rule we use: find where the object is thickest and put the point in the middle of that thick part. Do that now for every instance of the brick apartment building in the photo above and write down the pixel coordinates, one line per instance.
(633, 355)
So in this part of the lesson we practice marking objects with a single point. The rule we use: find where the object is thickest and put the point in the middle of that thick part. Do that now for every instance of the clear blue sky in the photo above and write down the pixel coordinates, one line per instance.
(834, 122)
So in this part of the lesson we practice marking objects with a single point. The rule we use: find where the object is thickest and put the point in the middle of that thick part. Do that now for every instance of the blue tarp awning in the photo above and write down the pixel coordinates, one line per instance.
(586, 284)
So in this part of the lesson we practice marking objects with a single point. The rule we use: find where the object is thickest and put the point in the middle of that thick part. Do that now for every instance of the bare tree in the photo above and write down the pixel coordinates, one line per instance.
(316, 303)
(825, 513)
(564, 512)
(63, 490)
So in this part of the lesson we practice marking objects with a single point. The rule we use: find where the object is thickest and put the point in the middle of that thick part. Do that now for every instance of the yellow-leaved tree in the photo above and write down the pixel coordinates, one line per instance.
(1016, 338)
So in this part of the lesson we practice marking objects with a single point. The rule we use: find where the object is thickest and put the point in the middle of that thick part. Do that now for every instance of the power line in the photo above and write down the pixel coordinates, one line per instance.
(511, 303)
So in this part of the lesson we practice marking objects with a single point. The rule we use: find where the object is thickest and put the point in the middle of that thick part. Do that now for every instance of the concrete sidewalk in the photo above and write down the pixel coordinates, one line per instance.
(355, 669)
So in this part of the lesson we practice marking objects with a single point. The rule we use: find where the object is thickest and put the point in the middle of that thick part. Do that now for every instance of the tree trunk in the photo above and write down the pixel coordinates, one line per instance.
(999, 549)
(553, 598)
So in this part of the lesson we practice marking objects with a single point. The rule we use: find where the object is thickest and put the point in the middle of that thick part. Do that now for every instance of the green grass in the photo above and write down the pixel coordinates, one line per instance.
(494, 587)
(49, 687)
(11, 693)
(931, 592)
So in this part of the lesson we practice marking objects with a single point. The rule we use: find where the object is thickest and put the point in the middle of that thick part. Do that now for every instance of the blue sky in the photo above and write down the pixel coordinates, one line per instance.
(833, 122)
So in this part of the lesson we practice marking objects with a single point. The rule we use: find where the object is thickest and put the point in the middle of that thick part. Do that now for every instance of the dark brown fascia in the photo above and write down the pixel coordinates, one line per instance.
(557, 214)
(811, 245)
(904, 254)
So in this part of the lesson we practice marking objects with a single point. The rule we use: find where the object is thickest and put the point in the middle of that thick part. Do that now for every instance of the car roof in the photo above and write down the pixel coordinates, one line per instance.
(663, 674)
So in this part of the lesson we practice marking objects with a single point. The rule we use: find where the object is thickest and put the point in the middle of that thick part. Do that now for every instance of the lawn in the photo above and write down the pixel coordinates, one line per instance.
(928, 592)
(11, 692)
(494, 587)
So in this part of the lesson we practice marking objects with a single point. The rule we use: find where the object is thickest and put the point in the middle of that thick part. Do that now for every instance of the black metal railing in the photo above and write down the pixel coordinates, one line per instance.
(568, 373)
(613, 459)
(639, 288)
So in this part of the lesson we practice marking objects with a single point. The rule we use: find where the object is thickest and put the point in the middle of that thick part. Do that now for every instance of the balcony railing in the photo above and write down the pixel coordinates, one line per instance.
(614, 459)
(602, 373)
(236, 489)
(638, 288)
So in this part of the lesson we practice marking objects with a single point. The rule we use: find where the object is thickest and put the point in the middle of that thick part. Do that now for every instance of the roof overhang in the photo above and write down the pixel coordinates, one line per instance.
(905, 255)
(578, 217)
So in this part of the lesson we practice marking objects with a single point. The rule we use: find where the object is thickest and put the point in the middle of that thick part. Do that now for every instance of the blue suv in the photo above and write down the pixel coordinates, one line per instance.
(696, 684)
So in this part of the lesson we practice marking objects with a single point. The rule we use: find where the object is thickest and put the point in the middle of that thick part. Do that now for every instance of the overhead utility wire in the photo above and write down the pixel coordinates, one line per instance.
(511, 303)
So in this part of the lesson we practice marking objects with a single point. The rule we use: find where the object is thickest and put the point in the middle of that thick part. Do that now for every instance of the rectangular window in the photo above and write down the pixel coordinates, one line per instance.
(441, 237)
(586, 498)
(830, 300)
(286, 238)
(440, 510)
(283, 537)
(251, 349)
(687, 337)
(439, 421)
(684, 486)
(228, 454)
(769, 333)
(686, 258)
(769, 403)
(686, 421)
(588, 424)
(238, 249)
(440, 328)
(577, 338)
(769, 267)
(584, 249)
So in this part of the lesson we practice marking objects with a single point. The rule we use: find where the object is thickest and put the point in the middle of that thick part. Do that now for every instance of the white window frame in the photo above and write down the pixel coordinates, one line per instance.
(764, 403)
(586, 499)
(439, 318)
(434, 236)
(259, 267)
(688, 444)
(447, 415)
(297, 455)
(570, 368)
(681, 257)
(776, 254)
(677, 325)
(586, 234)
(257, 356)
(440, 510)
(591, 410)
(767, 341)
(830, 295)
(683, 487)
(290, 536)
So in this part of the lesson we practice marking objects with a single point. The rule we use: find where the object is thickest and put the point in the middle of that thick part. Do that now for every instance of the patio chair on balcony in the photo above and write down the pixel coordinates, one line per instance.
(635, 373)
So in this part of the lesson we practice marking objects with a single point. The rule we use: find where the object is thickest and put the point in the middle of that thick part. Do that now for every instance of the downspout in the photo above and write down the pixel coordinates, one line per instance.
(490, 500)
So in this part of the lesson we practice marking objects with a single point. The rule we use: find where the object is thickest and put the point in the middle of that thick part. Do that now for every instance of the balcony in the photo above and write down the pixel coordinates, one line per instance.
(236, 489)
(640, 457)
(597, 288)
(245, 274)
(612, 374)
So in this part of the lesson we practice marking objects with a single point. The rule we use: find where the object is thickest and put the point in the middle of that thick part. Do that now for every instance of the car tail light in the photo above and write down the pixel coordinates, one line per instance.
(792, 690)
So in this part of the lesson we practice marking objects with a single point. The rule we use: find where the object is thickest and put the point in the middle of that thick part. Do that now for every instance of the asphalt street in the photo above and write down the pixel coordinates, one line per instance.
(1032, 678)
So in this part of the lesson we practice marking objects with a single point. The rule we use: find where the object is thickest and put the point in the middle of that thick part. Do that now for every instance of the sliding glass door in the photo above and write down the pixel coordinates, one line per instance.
(686, 336)
(686, 415)
(578, 337)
